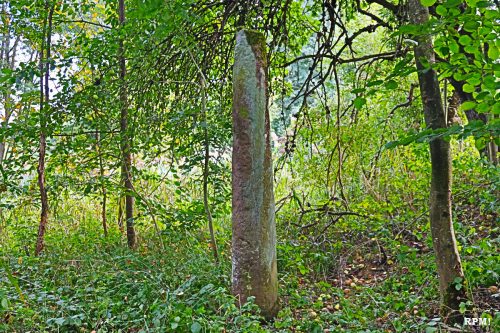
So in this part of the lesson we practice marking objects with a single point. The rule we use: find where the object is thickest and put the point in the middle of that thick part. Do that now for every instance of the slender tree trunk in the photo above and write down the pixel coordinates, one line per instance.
(206, 170)
(120, 213)
(448, 262)
(104, 202)
(2, 151)
(103, 185)
(492, 148)
(126, 173)
(3, 126)
(7, 60)
(44, 107)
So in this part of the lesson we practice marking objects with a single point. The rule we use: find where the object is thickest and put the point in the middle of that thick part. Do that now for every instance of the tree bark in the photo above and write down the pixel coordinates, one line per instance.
(7, 60)
(448, 262)
(120, 213)
(44, 107)
(254, 230)
(126, 172)
(103, 184)
(206, 170)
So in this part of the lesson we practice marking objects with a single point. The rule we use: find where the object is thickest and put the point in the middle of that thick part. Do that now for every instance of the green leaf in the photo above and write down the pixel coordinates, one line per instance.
(316, 328)
(491, 14)
(496, 108)
(467, 105)
(470, 49)
(196, 327)
(441, 10)
(391, 144)
(464, 40)
(374, 83)
(471, 26)
(490, 82)
(444, 50)
(408, 29)
(427, 3)
(59, 321)
(480, 143)
(482, 107)
(474, 81)
(391, 84)
(483, 4)
(5, 303)
(454, 47)
(6, 71)
(359, 102)
(468, 88)
(493, 52)
(484, 31)
(452, 3)
(482, 95)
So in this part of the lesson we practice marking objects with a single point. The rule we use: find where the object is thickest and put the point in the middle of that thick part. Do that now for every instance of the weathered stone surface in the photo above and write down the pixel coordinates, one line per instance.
(254, 230)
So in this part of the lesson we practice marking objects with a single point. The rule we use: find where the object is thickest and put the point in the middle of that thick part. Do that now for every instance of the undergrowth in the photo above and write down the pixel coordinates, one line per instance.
(358, 275)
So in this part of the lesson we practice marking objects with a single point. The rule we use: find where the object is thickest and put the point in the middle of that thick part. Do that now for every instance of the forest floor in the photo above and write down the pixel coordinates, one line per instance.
(87, 283)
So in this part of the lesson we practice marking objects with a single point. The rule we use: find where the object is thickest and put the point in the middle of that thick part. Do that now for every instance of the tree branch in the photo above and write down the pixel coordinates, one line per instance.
(387, 5)
(85, 22)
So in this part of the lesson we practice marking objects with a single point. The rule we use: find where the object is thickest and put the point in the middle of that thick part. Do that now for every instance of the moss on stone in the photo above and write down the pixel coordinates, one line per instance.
(255, 37)
(257, 41)
(243, 112)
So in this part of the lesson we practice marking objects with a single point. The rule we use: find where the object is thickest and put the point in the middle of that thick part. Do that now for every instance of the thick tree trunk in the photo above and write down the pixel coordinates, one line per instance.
(443, 236)
(44, 100)
(254, 231)
(126, 172)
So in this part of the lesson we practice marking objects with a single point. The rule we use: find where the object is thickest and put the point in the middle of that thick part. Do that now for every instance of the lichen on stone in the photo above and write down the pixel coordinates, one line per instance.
(254, 231)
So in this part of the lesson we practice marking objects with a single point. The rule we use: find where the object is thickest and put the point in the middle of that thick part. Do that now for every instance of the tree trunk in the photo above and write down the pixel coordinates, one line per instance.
(448, 262)
(254, 230)
(44, 107)
(2, 151)
(492, 148)
(126, 172)
(206, 169)
(103, 184)
(4, 63)
(7, 60)
(120, 214)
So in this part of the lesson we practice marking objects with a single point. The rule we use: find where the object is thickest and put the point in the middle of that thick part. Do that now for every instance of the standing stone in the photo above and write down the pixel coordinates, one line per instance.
(254, 230)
